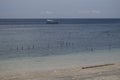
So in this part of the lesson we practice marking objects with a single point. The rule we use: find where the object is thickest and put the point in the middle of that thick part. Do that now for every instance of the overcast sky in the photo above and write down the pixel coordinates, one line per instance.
(59, 8)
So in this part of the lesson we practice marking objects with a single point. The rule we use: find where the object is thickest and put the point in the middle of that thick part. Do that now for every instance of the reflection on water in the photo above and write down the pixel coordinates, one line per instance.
(45, 40)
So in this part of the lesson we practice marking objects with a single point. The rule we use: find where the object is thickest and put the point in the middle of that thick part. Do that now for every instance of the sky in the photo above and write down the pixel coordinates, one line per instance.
(59, 9)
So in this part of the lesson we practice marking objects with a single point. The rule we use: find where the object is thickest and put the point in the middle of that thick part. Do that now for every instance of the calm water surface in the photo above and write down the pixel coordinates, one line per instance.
(25, 48)
(45, 40)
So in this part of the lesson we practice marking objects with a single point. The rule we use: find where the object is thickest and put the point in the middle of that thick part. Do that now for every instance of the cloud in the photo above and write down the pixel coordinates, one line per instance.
(89, 12)
(49, 12)
(84, 11)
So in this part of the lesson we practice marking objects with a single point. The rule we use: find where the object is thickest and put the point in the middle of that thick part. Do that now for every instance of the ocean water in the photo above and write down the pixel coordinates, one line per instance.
(58, 45)
(61, 21)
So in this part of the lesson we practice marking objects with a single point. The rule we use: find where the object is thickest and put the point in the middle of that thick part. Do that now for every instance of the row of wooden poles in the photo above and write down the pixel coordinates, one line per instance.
(48, 46)
(23, 48)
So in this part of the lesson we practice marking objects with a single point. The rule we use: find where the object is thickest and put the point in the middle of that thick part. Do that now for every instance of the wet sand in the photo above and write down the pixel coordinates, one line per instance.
(106, 72)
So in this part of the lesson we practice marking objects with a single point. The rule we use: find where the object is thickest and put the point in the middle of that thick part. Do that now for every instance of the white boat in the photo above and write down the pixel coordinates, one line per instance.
(49, 21)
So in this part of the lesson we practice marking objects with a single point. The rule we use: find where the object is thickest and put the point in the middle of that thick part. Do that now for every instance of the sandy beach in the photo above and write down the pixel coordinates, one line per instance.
(105, 72)
(63, 67)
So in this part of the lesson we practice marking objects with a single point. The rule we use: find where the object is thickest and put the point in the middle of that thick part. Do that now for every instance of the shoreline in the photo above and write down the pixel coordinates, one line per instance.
(61, 61)
(98, 65)
(109, 72)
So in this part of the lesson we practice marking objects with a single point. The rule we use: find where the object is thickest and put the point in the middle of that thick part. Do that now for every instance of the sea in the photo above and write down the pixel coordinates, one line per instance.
(31, 44)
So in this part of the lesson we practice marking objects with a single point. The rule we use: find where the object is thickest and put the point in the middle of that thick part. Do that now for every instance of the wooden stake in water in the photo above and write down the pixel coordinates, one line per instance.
(110, 46)
(17, 48)
(92, 50)
(48, 46)
(22, 48)
(33, 47)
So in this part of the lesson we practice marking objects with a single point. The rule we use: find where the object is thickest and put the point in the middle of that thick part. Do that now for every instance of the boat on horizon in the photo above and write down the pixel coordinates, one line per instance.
(50, 21)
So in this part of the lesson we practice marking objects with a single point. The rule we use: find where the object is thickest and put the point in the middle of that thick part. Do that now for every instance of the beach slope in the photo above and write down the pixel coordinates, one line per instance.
(102, 72)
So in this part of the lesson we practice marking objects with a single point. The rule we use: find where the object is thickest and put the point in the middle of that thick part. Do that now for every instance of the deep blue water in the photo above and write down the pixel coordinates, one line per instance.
(57, 39)
(61, 21)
